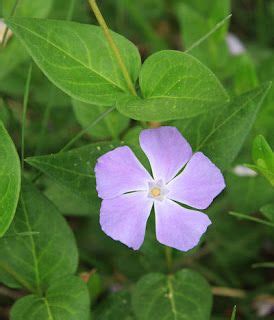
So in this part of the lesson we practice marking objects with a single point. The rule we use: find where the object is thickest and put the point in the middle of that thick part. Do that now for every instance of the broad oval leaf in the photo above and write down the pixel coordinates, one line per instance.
(66, 298)
(174, 85)
(77, 58)
(110, 126)
(39, 247)
(10, 179)
(221, 133)
(185, 295)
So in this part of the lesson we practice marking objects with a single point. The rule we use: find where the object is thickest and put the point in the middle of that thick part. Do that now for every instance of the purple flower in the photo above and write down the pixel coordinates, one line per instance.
(129, 191)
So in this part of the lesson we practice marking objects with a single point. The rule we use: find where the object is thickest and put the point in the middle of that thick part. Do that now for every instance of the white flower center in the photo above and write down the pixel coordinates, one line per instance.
(157, 190)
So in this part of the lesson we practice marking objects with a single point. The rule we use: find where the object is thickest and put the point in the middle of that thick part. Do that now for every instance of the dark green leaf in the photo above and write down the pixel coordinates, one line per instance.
(74, 170)
(116, 307)
(185, 295)
(39, 247)
(10, 179)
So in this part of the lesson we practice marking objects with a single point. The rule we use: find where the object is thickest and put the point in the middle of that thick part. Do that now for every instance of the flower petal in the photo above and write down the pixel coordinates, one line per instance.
(118, 172)
(124, 218)
(167, 151)
(179, 227)
(199, 183)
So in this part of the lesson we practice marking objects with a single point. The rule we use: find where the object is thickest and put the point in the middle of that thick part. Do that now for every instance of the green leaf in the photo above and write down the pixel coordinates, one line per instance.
(268, 211)
(263, 156)
(111, 126)
(77, 58)
(74, 170)
(174, 85)
(10, 179)
(117, 306)
(39, 247)
(221, 133)
(27, 8)
(185, 295)
(66, 298)
(262, 153)
(13, 54)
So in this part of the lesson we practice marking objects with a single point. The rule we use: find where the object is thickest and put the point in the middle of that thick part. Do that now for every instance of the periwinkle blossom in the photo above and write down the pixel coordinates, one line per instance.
(178, 176)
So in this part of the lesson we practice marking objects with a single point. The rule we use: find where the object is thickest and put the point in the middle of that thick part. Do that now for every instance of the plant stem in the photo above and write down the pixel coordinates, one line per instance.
(7, 29)
(25, 106)
(169, 260)
(217, 26)
(82, 132)
(112, 44)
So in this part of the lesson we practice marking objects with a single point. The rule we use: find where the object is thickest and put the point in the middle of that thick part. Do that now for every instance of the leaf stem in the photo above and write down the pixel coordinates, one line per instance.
(25, 106)
(7, 29)
(169, 260)
(82, 132)
(112, 44)
(217, 26)
(250, 218)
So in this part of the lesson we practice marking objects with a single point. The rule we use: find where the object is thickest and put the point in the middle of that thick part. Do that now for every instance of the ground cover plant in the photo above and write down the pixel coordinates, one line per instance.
(136, 160)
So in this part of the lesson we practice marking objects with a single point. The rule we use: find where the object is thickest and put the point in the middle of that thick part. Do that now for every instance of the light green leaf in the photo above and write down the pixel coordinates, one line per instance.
(66, 299)
(262, 153)
(74, 170)
(174, 85)
(77, 58)
(13, 54)
(268, 211)
(111, 126)
(263, 156)
(221, 133)
(27, 8)
(185, 295)
(10, 179)
(39, 247)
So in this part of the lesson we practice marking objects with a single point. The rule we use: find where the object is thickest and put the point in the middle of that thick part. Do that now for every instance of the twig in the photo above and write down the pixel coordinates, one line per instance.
(112, 44)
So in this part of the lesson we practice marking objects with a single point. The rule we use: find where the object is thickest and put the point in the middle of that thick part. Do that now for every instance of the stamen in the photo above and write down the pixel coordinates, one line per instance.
(155, 192)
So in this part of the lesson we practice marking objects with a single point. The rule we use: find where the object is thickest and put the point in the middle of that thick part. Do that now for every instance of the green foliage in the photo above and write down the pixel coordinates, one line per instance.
(184, 295)
(10, 179)
(111, 125)
(173, 85)
(74, 170)
(87, 71)
(263, 157)
(212, 132)
(77, 82)
(34, 250)
(67, 299)
(196, 18)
